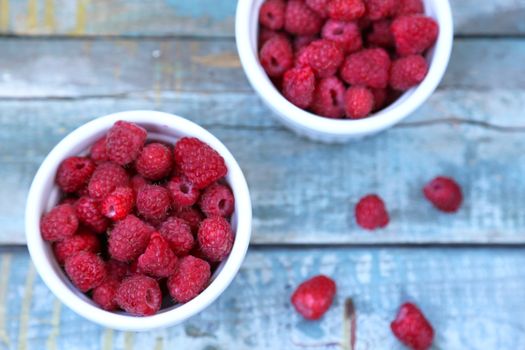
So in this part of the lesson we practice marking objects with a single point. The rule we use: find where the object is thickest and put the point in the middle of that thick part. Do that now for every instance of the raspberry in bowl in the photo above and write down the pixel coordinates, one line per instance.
(138, 220)
(335, 70)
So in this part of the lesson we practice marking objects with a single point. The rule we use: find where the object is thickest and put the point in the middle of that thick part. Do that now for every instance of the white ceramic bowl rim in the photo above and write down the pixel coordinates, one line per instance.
(246, 46)
(51, 273)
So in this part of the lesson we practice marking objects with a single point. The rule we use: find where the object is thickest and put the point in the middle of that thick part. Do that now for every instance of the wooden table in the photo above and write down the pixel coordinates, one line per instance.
(64, 62)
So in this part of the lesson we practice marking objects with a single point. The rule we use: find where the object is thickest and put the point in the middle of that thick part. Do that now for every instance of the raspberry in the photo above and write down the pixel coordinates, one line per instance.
(380, 98)
(318, 6)
(300, 19)
(128, 239)
(300, 42)
(409, 7)
(116, 270)
(346, 34)
(81, 241)
(329, 98)
(118, 204)
(313, 297)
(271, 14)
(276, 55)
(86, 270)
(302, 57)
(200, 163)
(60, 223)
(178, 234)
(137, 182)
(266, 34)
(158, 260)
(217, 200)
(359, 102)
(88, 213)
(414, 34)
(367, 67)
(412, 328)
(153, 202)
(370, 212)
(444, 193)
(182, 192)
(154, 162)
(190, 278)
(124, 142)
(104, 295)
(105, 179)
(74, 173)
(407, 72)
(299, 86)
(324, 57)
(215, 238)
(346, 10)
(379, 9)
(98, 151)
(380, 35)
(192, 216)
(139, 295)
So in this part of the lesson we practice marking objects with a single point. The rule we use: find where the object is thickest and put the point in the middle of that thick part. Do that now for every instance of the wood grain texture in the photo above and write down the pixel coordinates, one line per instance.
(202, 17)
(474, 299)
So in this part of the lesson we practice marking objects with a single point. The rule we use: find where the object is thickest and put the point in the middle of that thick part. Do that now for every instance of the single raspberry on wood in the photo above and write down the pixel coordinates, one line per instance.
(409, 7)
(380, 9)
(190, 278)
(271, 14)
(444, 193)
(178, 233)
(328, 98)
(324, 57)
(215, 238)
(105, 179)
(217, 200)
(346, 34)
(60, 223)
(154, 162)
(300, 19)
(381, 35)
(118, 204)
(369, 67)
(153, 202)
(158, 260)
(83, 240)
(319, 6)
(104, 295)
(124, 142)
(192, 216)
(299, 86)
(371, 213)
(98, 151)
(413, 34)
(412, 328)
(129, 238)
(346, 10)
(359, 102)
(86, 270)
(183, 192)
(139, 295)
(89, 214)
(276, 55)
(74, 173)
(200, 163)
(313, 297)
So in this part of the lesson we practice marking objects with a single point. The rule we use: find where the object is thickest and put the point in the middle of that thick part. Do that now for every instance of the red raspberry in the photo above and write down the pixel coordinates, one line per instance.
(86, 270)
(215, 238)
(313, 297)
(276, 56)
(105, 179)
(346, 10)
(74, 173)
(192, 216)
(329, 98)
(359, 102)
(324, 57)
(380, 98)
(379, 9)
(60, 223)
(444, 193)
(154, 162)
(116, 270)
(301, 42)
(370, 212)
(346, 34)
(125, 141)
(217, 200)
(381, 35)
(407, 72)
(200, 163)
(409, 7)
(190, 278)
(299, 86)
(137, 182)
(139, 295)
(88, 213)
(302, 57)
(271, 14)
(300, 19)
(414, 34)
(118, 204)
(158, 260)
(98, 151)
(367, 67)
(412, 328)
(178, 234)
(266, 34)
(104, 295)
(318, 6)
(128, 239)
(153, 202)
(81, 241)
(182, 192)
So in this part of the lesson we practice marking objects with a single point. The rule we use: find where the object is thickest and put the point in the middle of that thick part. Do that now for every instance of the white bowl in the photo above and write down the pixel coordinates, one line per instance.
(339, 130)
(43, 195)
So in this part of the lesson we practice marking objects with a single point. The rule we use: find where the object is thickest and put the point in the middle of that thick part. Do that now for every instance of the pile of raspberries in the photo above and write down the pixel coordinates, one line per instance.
(140, 220)
(344, 58)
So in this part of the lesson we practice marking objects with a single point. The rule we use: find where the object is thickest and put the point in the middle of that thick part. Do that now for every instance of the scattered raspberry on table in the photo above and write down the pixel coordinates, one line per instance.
(313, 297)
(412, 328)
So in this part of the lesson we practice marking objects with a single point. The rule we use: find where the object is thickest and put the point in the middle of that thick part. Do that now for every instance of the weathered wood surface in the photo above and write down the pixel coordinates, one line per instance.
(202, 17)
(473, 297)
